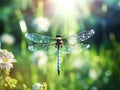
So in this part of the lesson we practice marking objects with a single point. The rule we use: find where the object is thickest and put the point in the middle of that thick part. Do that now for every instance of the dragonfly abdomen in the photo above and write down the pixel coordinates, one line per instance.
(58, 62)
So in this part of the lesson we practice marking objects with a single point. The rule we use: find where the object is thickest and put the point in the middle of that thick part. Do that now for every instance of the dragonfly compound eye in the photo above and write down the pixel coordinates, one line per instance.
(58, 35)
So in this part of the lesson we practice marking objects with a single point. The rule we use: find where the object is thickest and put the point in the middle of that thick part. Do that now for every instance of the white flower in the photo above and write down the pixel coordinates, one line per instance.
(40, 58)
(41, 24)
(7, 38)
(93, 74)
(37, 86)
(78, 63)
(6, 59)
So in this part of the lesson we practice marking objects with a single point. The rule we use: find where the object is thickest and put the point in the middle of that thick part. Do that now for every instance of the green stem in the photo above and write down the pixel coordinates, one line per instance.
(4, 81)
(23, 45)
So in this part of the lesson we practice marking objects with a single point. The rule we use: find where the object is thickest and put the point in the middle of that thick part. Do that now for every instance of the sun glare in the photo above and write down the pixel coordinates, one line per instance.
(72, 8)
(65, 7)
(65, 4)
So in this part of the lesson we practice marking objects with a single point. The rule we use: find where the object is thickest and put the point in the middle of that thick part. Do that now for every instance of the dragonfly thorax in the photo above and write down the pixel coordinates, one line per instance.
(59, 40)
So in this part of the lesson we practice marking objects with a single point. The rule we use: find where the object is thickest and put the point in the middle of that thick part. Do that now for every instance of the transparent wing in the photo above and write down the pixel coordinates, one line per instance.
(39, 38)
(73, 48)
(80, 37)
(85, 35)
(48, 49)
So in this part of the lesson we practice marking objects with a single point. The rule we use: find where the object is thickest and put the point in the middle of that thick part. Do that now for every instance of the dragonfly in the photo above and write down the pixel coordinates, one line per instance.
(51, 45)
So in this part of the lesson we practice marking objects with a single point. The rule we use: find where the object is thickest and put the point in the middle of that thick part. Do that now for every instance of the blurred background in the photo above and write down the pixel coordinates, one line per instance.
(96, 68)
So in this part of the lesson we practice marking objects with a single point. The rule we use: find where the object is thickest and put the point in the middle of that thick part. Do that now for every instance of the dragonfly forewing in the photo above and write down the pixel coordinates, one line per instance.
(85, 35)
(39, 38)
(80, 37)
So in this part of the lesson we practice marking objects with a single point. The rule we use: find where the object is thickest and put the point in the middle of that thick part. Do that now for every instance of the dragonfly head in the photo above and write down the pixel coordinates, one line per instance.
(58, 35)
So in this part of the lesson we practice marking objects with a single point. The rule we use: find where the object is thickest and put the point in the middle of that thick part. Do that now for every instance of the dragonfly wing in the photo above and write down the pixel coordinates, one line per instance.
(48, 49)
(73, 48)
(80, 37)
(39, 38)
(85, 35)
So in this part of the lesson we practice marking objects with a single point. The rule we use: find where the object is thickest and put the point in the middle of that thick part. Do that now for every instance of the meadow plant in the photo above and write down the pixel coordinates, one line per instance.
(6, 63)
